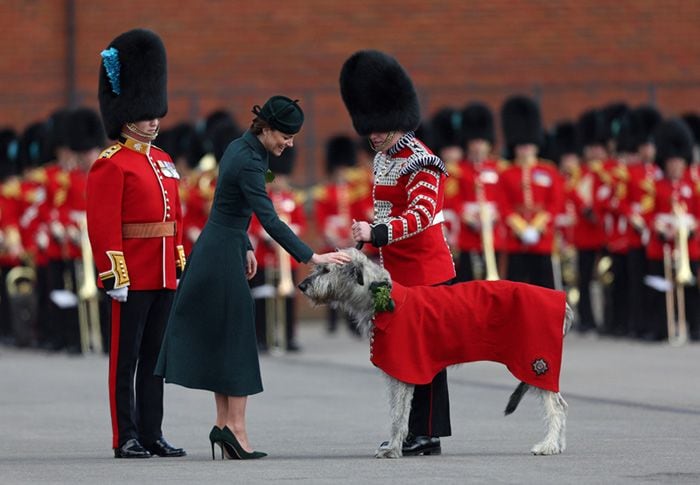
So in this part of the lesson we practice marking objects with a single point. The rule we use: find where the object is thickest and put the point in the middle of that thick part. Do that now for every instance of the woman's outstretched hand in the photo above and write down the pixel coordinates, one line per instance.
(334, 257)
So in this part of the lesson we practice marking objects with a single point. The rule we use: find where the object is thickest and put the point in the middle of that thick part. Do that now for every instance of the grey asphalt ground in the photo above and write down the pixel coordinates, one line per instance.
(634, 417)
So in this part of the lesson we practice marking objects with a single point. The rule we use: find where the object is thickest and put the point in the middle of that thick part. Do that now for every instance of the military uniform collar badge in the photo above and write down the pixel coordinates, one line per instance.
(135, 145)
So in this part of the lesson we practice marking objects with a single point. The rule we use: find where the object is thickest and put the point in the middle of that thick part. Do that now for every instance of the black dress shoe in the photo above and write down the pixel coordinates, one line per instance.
(419, 445)
(131, 449)
(163, 448)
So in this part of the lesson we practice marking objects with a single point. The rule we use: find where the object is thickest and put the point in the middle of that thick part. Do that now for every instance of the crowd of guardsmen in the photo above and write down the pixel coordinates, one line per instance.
(604, 207)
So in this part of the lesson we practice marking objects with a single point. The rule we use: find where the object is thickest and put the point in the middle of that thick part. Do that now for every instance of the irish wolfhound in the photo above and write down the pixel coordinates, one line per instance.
(528, 323)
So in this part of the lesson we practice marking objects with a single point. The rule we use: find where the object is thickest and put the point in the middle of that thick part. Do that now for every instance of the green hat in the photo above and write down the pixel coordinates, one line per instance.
(282, 114)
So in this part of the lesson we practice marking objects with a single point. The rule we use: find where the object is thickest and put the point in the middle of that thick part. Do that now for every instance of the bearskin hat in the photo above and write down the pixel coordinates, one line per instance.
(284, 164)
(33, 151)
(522, 122)
(565, 140)
(673, 140)
(341, 151)
(613, 114)
(446, 129)
(133, 80)
(378, 94)
(625, 140)
(477, 123)
(693, 122)
(591, 128)
(644, 120)
(86, 131)
(9, 150)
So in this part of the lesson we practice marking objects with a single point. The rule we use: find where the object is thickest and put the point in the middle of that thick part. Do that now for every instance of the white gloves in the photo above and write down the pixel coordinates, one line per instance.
(119, 294)
(530, 236)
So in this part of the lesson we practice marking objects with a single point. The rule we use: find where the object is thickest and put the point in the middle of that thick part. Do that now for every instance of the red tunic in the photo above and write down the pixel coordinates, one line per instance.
(128, 186)
(408, 198)
(516, 324)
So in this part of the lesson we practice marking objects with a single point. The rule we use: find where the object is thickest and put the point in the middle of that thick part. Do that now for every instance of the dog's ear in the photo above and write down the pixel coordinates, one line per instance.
(355, 271)
(358, 274)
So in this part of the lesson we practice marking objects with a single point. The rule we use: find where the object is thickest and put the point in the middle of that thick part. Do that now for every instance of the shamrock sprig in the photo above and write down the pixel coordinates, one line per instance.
(381, 295)
(269, 176)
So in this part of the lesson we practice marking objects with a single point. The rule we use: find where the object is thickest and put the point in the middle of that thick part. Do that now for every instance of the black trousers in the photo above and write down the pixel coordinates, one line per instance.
(135, 394)
(657, 325)
(63, 325)
(586, 262)
(535, 269)
(430, 407)
(637, 291)
(618, 304)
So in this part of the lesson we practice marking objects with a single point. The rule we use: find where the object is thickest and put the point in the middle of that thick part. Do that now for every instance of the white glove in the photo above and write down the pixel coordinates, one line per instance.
(530, 236)
(119, 294)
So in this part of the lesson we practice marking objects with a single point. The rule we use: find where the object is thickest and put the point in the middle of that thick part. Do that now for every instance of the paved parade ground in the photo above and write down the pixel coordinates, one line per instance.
(634, 417)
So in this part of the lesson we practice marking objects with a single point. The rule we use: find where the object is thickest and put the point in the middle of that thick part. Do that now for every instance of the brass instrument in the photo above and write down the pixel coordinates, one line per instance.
(276, 326)
(21, 283)
(486, 223)
(678, 273)
(88, 298)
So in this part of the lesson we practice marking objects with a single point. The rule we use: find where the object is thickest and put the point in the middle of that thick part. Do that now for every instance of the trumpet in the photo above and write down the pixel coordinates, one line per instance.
(485, 216)
(88, 303)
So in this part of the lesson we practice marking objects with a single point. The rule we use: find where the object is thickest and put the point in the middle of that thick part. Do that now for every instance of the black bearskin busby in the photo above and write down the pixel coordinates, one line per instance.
(33, 150)
(644, 120)
(613, 116)
(341, 151)
(565, 140)
(477, 123)
(625, 138)
(673, 140)
(378, 94)
(133, 80)
(693, 122)
(522, 122)
(181, 142)
(9, 150)
(86, 130)
(446, 129)
(284, 164)
(591, 128)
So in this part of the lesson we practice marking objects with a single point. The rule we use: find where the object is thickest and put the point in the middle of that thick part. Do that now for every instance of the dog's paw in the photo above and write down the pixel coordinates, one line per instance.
(388, 452)
(546, 448)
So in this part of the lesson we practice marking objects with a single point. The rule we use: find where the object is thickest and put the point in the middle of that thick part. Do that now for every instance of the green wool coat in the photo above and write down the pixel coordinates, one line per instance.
(210, 341)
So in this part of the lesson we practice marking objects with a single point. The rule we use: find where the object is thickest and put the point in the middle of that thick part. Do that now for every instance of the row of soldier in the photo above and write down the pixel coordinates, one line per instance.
(610, 199)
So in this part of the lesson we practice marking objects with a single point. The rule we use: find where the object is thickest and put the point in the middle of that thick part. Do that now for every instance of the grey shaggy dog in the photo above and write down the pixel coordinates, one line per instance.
(347, 287)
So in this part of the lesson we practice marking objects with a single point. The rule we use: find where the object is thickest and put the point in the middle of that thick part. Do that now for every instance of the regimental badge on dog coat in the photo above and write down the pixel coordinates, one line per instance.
(431, 328)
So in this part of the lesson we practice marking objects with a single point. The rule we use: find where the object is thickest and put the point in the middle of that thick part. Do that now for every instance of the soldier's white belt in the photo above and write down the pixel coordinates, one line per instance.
(149, 230)
(439, 218)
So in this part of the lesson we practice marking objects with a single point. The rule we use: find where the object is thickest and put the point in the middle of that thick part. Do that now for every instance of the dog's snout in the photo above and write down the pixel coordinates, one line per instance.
(304, 285)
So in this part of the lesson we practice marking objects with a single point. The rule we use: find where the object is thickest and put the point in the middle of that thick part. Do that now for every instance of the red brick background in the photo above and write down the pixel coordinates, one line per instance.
(233, 54)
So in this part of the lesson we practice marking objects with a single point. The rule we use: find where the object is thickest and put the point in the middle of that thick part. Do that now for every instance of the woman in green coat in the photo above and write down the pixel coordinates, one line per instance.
(210, 338)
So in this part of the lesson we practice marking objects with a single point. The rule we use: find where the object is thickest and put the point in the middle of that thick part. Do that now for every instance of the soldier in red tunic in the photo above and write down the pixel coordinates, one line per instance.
(134, 222)
(532, 195)
(409, 183)
(479, 193)
(672, 220)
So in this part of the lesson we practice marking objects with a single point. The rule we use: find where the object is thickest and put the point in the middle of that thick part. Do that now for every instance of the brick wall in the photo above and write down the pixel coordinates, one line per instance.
(570, 53)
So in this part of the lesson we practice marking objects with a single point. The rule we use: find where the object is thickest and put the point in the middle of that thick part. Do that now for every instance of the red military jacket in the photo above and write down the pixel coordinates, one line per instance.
(290, 209)
(196, 197)
(666, 194)
(431, 328)
(591, 194)
(479, 183)
(640, 200)
(10, 238)
(336, 204)
(408, 201)
(131, 185)
(532, 195)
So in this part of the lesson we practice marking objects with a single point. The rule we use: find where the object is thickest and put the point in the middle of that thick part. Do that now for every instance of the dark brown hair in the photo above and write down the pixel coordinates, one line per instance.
(257, 125)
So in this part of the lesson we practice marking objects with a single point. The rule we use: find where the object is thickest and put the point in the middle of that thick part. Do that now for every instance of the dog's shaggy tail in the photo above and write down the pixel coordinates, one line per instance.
(515, 398)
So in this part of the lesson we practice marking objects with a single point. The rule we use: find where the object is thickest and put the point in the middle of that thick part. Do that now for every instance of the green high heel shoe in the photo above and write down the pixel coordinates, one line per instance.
(215, 439)
(233, 448)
